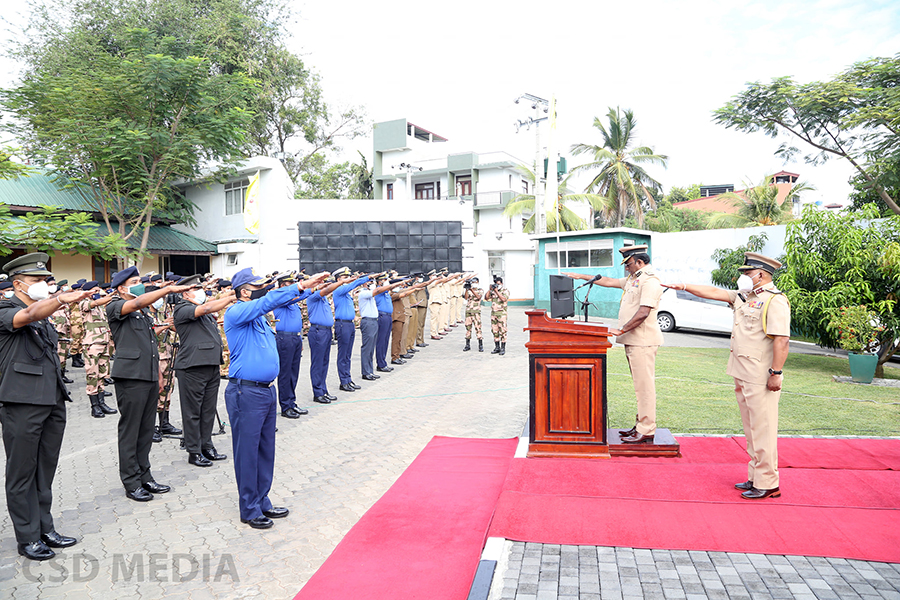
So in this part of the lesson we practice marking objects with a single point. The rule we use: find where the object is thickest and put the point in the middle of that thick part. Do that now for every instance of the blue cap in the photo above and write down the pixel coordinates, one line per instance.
(245, 276)
(123, 276)
(76, 286)
(5, 285)
(90, 285)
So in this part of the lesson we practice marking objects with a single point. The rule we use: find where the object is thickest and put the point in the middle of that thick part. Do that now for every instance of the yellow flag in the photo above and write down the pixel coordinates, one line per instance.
(251, 205)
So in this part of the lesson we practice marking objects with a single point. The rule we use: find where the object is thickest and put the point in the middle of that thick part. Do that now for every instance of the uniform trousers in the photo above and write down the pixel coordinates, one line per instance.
(32, 437)
(137, 400)
(383, 341)
(251, 412)
(396, 339)
(443, 322)
(412, 328)
(642, 363)
(435, 322)
(420, 333)
(290, 351)
(345, 333)
(759, 415)
(319, 338)
(198, 388)
(368, 329)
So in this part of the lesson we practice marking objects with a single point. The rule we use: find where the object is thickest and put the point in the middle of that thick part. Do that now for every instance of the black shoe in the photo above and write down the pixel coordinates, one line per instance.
(756, 494)
(468, 345)
(55, 540)
(107, 410)
(139, 494)
(411, 350)
(212, 454)
(628, 433)
(291, 413)
(198, 460)
(277, 512)
(259, 522)
(398, 361)
(354, 386)
(156, 435)
(321, 400)
(108, 380)
(165, 427)
(155, 488)
(346, 387)
(96, 411)
(638, 438)
(496, 349)
(422, 345)
(36, 551)
(747, 485)
(66, 379)
(407, 355)
(371, 377)
(481, 345)
(384, 369)
(77, 361)
(105, 394)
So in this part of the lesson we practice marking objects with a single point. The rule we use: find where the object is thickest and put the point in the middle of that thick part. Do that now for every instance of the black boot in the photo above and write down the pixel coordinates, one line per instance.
(502, 348)
(66, 379)
(481, 345)
(108, 380)
(156, 435)
(468, 347)
(496, 349)
(108, 410)
(96, 411)
(165, 427)
(77, 361)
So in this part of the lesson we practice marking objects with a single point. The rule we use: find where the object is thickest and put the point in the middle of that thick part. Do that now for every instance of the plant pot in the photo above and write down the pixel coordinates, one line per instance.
(862, 367)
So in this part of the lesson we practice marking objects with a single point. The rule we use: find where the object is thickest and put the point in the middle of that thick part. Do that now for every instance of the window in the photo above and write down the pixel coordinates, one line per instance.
(390, 191)
(235, 194)
(524, 187)
(496, 264)
(231, 260)
(592, 254)
(464, 186)
(425, 191)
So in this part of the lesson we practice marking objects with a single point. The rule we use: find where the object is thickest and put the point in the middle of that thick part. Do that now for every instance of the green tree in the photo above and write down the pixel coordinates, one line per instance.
(759, 206)
(855, 116)
(125, 123)
(49, 230)
(10, 169)
(834, 260)
(325, 181)
(561, 218)
(683, 194)
(616, 168)
(729, 259)
(864, 192)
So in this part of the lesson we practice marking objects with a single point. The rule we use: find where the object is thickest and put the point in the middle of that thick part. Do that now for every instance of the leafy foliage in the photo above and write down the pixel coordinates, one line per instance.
(561, 218)
(10, 169)
(617, 172)
(729, 259)
(857, 328)
(759, 206)
(49, 230)
(835, 260)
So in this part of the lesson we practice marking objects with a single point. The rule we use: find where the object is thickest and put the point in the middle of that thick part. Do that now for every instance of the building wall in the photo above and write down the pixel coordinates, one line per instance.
(70, 266)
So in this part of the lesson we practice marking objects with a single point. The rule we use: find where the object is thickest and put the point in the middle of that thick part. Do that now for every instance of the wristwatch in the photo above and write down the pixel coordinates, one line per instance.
(774, 372)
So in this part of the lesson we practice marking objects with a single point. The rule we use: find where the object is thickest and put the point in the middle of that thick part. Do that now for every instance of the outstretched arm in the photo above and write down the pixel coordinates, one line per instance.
(703, 291)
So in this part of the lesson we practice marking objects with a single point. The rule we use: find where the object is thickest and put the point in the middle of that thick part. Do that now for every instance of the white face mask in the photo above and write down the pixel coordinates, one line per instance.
(199, 296)
(38, 291)
(8, 294)
(53, 288)
(159, 303)
(745, 284)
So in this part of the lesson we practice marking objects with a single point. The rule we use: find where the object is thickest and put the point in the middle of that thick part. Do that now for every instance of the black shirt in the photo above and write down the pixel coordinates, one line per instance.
(29, 365)
(201, 343)
(137, 356)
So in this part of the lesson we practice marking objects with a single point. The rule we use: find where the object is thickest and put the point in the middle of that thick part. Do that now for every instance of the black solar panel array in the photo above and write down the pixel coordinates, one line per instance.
(407, 246)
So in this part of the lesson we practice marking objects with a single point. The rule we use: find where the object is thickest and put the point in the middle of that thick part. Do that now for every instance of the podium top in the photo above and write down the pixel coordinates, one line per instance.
(549, 334)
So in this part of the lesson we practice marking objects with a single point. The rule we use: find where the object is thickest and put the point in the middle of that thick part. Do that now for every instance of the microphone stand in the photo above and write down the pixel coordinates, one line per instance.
(585, 303)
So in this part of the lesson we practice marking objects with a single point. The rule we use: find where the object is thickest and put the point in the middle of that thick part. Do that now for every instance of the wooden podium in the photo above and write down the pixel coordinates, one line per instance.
(568, 410)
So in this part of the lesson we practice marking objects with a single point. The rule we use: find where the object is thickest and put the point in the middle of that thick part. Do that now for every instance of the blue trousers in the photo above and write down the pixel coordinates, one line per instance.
(319, 338)
(251, 412)
(368, 329)
(345, 334)
(290, 351)
(383, 341)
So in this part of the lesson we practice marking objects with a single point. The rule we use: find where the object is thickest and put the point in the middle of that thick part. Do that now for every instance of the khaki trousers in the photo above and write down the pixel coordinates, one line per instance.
(413, 328)
(759, 415)
(445, 314)
(435, 323)
(396, 339)
(642, 362)
(420, 334)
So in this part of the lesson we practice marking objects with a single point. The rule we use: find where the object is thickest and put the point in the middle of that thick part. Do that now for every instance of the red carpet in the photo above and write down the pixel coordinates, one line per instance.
(840, 498)
(423, 538)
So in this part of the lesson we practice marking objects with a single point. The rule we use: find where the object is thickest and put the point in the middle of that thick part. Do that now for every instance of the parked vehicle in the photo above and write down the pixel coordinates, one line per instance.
(679, 309)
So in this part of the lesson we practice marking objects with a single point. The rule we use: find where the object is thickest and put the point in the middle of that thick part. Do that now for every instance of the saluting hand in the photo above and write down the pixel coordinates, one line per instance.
(178, 289)
(76, 296)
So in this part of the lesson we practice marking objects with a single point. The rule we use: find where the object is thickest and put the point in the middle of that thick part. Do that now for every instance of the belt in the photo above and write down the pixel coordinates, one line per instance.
(385, 312)
(344, 320)
(250, 383)
(373, 318)
(321, 326)
(288, 333)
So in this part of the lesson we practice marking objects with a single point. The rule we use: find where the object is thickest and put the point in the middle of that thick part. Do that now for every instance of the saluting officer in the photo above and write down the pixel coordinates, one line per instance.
(499, 297)
(289, 342)
(344, 329)
(473, 295)
(33, 410)
(136, 374)
(95, 347)
(63, 327)
(197, 368)
(760, 341)
(321, 319)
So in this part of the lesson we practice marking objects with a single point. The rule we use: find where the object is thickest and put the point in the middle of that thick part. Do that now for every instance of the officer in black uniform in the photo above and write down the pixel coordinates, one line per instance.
(197, 368)
(136, 374)
(33, 410)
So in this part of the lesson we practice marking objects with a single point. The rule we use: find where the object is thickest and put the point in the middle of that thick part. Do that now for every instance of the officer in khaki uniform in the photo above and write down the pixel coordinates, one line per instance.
(640, 334)
(760, 340)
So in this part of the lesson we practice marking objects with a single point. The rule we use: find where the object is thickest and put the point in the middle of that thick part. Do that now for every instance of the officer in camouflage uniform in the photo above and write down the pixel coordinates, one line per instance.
(164, 329)
(95, 347)
(76, 325)
(62, 326)
(499, 296)
(473, 295)
(224, 288)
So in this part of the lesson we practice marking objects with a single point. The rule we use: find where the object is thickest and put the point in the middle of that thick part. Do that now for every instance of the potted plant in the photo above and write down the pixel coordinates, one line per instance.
(857, 332)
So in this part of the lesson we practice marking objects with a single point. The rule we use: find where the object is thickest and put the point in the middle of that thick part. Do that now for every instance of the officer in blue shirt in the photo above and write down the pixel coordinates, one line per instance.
(321, 319)
(369, 326)
(249, 396)
(289, 342)
(385, 318)
(344, 329)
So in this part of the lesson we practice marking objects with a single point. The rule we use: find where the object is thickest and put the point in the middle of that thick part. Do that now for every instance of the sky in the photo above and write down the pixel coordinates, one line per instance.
(456, 68)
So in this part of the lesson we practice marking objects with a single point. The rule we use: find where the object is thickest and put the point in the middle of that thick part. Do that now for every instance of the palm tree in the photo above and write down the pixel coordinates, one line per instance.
(562, 215)
(759, 206)
(619, 177)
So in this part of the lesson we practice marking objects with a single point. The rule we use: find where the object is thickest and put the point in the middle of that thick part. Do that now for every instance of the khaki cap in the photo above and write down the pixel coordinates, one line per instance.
(30, 264)
(754, 260)
(629, 251)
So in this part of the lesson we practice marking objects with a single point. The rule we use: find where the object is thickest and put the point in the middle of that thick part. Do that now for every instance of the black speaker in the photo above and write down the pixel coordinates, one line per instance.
(562, 297)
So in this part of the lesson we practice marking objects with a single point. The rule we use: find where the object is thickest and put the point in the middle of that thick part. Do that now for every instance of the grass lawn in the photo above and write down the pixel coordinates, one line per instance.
(693, 395)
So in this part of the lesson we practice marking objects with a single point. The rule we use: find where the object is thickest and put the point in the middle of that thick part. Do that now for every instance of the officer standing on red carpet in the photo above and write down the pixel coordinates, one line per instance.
(760, 341)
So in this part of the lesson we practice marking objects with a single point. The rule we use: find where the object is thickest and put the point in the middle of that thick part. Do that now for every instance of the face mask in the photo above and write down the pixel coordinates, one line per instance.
(159, 303)
(136, 290)
(199, 297)
(95, 296)
(53, 288)
(255, 294)
(8, 294)
(744, 283)
(66, 288)
(38, 291)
